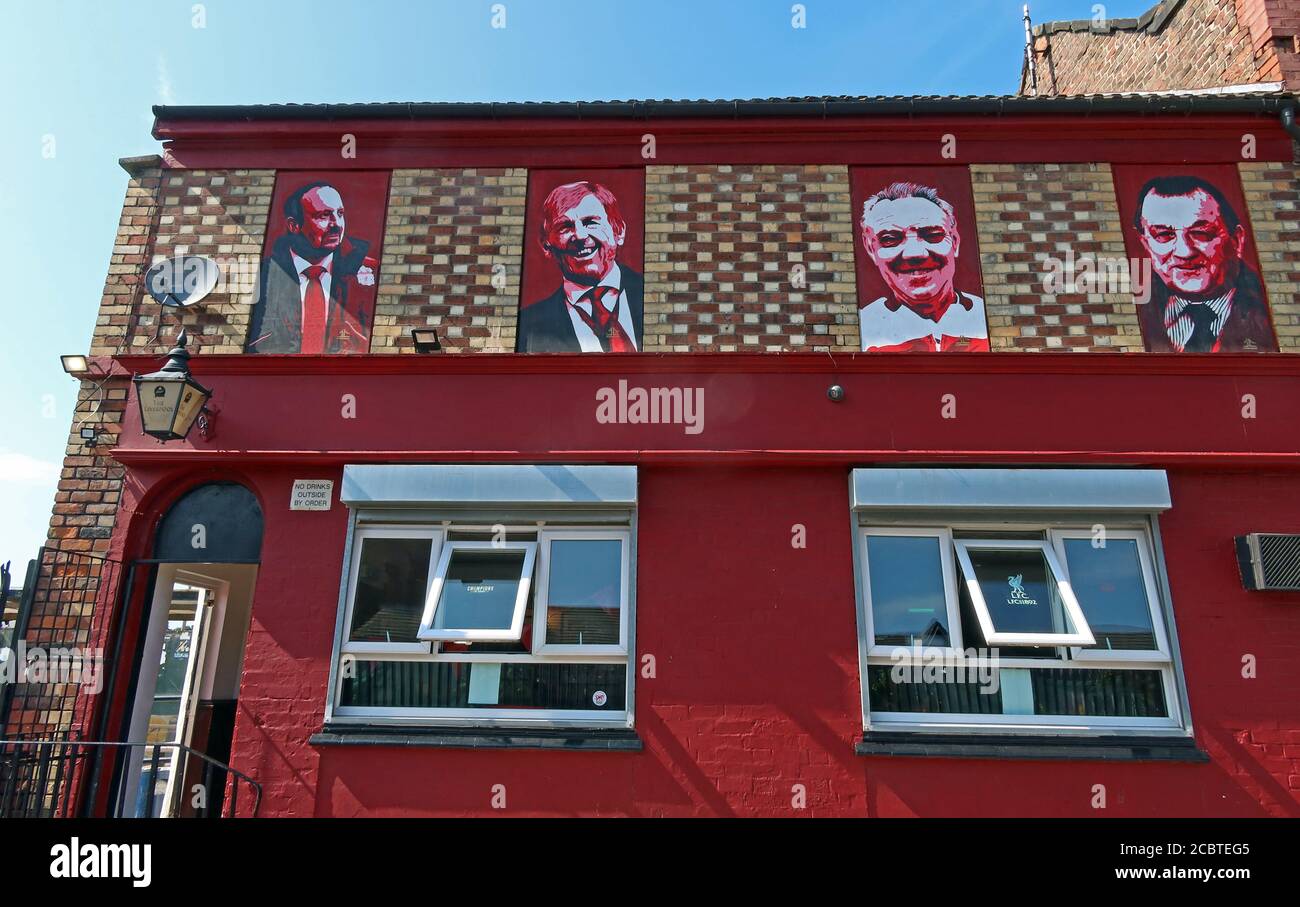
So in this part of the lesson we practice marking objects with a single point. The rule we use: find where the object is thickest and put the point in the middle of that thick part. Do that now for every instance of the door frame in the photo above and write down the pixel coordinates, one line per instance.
(198, 675)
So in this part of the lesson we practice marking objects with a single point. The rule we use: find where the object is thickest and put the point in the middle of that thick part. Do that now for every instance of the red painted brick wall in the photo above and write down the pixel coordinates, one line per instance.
(757, 677)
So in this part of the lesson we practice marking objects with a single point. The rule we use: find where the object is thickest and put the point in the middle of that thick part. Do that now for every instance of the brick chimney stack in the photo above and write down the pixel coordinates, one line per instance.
(1176, 45)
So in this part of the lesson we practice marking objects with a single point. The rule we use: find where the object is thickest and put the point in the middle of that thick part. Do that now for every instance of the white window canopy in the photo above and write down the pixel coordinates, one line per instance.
(1120, 490)
(542, 484)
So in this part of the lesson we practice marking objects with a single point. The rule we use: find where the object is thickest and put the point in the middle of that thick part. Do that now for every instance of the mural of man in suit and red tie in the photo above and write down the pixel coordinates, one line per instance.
(1190, 225)
(316, 292)
(588, 228)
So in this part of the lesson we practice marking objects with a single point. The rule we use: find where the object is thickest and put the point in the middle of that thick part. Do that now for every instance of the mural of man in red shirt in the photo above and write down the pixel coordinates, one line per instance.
(911, 235)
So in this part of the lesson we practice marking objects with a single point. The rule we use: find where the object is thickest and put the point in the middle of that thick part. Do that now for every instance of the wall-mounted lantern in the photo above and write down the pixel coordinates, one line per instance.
(171, 401)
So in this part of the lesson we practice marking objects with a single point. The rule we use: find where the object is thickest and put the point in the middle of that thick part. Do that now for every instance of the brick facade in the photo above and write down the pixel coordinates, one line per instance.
(452, 251)
(220, 214)
(749, 258)
(1029, 215)
(1273, 196)
(1176, 45)
(726, 250)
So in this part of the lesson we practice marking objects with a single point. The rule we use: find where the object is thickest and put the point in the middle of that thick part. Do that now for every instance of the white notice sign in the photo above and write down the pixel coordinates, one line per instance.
(312, 494)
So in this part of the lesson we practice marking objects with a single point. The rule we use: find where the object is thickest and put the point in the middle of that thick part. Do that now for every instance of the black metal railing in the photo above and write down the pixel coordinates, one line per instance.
(56, 778)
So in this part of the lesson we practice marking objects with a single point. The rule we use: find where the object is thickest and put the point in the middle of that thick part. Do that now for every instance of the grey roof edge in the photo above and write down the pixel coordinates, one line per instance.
(1152, 22)
(1264, 102)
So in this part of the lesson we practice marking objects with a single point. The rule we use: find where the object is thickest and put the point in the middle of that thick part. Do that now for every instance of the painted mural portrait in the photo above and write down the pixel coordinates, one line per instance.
(1206, 292)
(916, 289)
(582, 286)
(316, 287)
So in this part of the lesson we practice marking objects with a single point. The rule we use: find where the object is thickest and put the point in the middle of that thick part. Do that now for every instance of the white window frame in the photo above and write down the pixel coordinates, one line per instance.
(1175, 723)
(436, 539)
(953, 610)
(1161, 654)
(541, 600)
(515, 631)
(1082, 635)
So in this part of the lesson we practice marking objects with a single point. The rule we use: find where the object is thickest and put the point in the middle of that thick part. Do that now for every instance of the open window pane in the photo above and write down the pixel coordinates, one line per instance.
(584, 592)
(908, 600)
(392, 579)
(1018, 595)
(1112, 590)
(480, 592)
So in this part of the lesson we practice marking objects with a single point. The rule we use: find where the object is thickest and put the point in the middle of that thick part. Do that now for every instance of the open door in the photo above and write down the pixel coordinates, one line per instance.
(186, 689)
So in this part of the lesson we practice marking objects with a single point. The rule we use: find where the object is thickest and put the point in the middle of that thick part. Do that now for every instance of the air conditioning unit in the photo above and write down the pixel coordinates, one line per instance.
(1269, 561)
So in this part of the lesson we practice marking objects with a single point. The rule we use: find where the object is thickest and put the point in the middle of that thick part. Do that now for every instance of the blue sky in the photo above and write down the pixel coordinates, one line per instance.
(87, 73)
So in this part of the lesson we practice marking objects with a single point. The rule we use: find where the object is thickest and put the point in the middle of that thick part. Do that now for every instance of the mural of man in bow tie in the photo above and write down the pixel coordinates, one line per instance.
(598, 306)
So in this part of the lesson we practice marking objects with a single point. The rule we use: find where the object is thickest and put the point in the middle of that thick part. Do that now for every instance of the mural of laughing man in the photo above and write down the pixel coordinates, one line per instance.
(911, 235)
(598, 306)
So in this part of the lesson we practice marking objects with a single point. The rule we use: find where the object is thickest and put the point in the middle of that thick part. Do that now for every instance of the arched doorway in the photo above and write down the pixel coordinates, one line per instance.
(185, 683)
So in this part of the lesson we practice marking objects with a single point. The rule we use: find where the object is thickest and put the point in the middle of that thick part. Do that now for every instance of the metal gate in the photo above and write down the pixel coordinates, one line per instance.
(55, 672)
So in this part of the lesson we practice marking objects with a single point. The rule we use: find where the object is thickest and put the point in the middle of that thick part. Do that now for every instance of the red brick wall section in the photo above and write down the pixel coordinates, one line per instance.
(749, 258)
(1274, 26)
(1030, 215)
(1204, 44)
(452, 251)
(222, 215)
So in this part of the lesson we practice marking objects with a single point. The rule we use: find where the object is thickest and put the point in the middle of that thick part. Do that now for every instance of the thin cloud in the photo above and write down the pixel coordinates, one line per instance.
(165, 94)
(20, 469)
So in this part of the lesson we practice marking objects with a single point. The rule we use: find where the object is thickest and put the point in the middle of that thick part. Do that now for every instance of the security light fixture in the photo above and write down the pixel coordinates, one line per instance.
(75, 365)
(426, 340)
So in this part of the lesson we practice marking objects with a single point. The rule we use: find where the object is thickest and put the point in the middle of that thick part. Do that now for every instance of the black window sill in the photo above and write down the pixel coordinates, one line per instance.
(1011, 746)
(589, 739)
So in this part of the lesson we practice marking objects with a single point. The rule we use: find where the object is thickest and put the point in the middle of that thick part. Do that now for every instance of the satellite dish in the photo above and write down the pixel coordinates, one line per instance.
(182, 281)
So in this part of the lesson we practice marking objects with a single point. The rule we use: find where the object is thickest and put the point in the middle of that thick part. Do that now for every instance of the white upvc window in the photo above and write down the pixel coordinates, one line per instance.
(910, 590)
(1015, 600)
(1076, 641)
(1114, 579)
(582, 592)
(390, 573)
(1020, 594)
(479, 592)
(486, 595)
